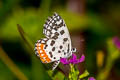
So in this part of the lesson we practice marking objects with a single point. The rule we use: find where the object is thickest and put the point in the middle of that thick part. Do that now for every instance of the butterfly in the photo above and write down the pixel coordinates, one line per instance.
(57, 43)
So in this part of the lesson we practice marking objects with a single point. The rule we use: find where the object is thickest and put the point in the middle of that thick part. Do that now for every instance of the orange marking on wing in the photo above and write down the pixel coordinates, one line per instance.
(43, 56)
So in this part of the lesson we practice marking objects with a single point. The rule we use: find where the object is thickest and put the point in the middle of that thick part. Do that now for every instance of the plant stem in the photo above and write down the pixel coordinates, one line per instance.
(11, 65)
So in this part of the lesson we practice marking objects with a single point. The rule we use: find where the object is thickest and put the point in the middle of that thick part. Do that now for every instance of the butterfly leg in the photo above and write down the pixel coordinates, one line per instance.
(55, 64)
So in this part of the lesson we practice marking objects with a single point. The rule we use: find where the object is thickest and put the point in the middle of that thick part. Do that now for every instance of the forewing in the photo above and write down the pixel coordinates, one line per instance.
(54, 26)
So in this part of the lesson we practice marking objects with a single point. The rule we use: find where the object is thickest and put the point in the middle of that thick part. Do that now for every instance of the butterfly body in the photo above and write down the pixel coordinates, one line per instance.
(57, 43)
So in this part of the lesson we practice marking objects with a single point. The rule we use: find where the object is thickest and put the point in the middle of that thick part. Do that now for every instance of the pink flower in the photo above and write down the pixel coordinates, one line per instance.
(64, 61)
(116, 41)
(91, 78)
(73, 60)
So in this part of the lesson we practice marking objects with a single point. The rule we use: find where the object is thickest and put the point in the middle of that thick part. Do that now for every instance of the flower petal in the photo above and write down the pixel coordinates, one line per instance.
(91, 78)
(74, 56)
(73, 60)
(116, 41)
(82, 58)
(64, 61)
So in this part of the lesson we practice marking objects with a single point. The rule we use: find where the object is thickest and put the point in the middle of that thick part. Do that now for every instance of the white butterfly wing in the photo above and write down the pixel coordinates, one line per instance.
(57, 43)
(56, 29)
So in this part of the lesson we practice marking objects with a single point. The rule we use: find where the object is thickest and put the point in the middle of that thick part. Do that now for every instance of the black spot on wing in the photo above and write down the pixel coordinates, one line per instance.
(54, 25)
(62, 32)
(65, 39)
(56, 33)
(55, 37)
(52, 43)
(64, 53)
(68, 48)
(59, 51)
(54, 57)
(45, 46)
(51, 54)
(61, 46)
(53, 49)
(55, 28)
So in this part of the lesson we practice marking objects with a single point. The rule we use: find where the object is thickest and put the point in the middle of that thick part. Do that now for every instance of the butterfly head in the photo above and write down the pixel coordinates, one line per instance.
(73, 49)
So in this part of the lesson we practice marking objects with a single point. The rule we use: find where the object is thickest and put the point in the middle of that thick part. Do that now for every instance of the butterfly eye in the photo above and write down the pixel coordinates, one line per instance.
(73, 49)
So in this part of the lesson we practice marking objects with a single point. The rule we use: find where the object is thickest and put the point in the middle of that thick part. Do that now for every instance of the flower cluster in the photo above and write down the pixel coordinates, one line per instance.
(73, 60)
(73, 73)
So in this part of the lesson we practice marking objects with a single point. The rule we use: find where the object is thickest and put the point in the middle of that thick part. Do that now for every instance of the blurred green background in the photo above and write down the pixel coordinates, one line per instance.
(93, 21)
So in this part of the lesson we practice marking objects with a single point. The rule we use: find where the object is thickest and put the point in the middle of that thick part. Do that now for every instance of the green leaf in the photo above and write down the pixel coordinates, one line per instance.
(85, 74)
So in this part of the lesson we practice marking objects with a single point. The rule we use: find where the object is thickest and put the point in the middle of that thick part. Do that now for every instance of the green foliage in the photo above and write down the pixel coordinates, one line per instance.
(85, 74)
(113, 55)
(73, 74)
(58, 75)
(95, 26)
